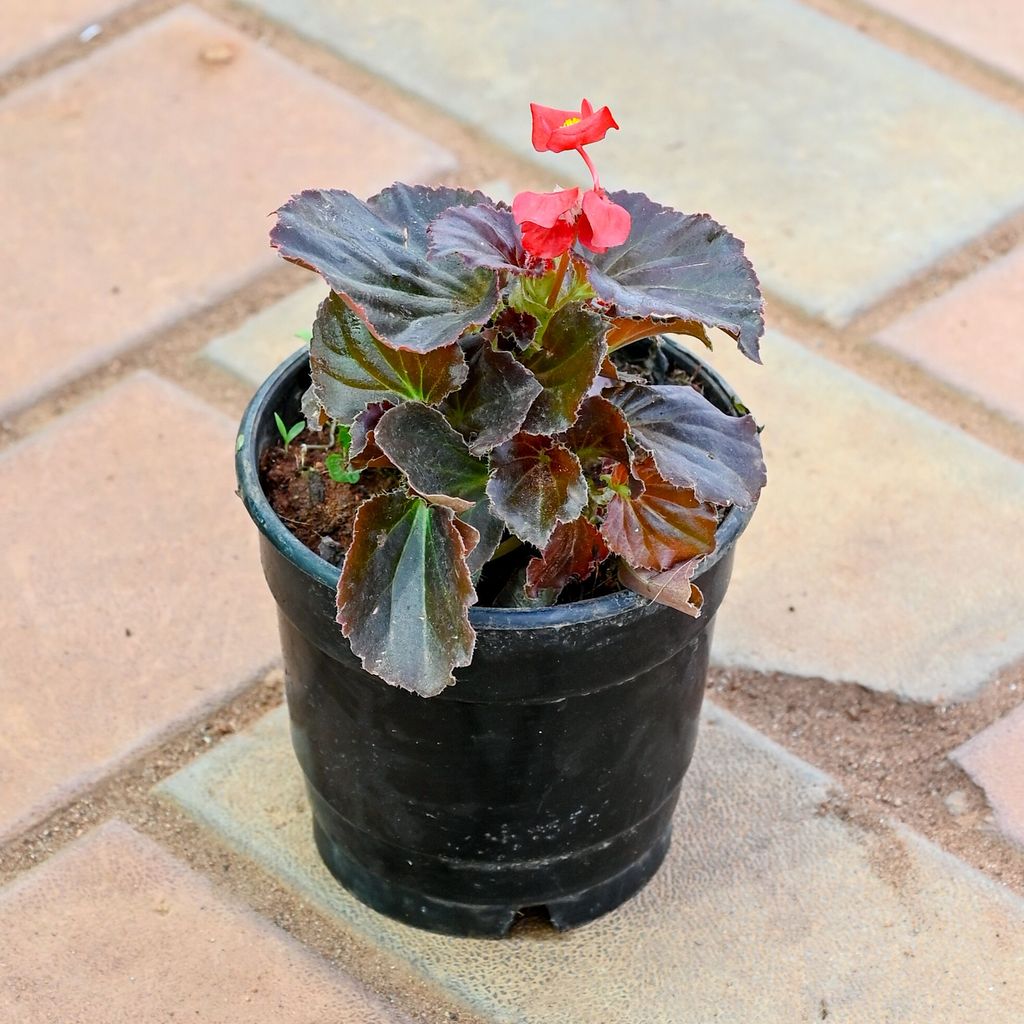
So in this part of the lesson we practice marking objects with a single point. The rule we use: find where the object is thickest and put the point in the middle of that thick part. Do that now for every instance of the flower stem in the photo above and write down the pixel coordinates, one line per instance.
(556, 288)
(590, 167)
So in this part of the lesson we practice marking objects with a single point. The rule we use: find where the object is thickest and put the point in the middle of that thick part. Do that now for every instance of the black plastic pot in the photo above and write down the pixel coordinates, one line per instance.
(543, 781)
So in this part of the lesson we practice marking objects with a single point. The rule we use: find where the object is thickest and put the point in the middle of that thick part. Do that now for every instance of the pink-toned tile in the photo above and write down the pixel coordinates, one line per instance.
(994, 759)
(132, 596)
(973, 336)
(114, 930)
(990, 30)
(32, 25)
(144, 176)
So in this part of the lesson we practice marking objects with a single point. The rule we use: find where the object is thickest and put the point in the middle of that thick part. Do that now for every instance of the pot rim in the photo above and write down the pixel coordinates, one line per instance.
(250, 490)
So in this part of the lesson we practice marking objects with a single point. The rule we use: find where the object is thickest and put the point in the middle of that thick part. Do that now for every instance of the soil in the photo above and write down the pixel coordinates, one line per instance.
(319, 511)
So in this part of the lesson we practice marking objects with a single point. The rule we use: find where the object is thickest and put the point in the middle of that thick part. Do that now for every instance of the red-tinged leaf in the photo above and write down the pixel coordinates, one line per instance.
(433, 456)
(405, 591)
(599, 433)
(481, 235)
(676, 266)
(489, 529)
(536, 483)
(575, 550)
(374, 254)
(693, 443)
(515, 329)
(572, 350)
(625, 330)
(651, 523)
(672, 587)
(491, 405)
(363, 452)
(351, 368)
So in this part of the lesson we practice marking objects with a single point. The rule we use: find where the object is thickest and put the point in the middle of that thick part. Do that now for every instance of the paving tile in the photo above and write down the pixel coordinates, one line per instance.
(973, 336)
(264, 340)
(765, 910)
(992, 31)
(113, 929)
(32, 25)
(863, 562)
(139, 205)
(132, 596)
(846, 166)
(995, 760)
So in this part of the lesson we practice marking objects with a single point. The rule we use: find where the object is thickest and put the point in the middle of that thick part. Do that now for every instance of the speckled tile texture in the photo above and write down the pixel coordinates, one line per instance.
(768, 909)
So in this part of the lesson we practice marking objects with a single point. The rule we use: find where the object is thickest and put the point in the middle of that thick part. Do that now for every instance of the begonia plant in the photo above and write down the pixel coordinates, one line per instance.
(466, 345)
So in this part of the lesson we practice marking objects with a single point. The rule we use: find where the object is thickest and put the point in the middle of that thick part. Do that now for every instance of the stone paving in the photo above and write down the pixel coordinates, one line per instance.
(880, 194)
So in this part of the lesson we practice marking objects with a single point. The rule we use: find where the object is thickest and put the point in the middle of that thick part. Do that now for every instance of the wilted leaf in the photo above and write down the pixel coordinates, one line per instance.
(482, 235)
(374, 254)
(693, 443)
(351, 368)
(598, 433)
(437, 462)
(684, 267)
(672, 587)
(493, 402)
(405, 591)
(653, 524)
(575, 550)
(566, 364)
(363, 451)
(535, 484)
(489, 529)
(625, 330)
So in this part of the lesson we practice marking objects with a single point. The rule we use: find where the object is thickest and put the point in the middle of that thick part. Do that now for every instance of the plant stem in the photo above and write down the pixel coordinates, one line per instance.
(556, 288)
(590, 166)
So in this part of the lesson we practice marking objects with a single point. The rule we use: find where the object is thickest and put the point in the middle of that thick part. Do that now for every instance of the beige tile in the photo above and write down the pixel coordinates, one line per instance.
(113, 929)
(766, 909)
(973, 336)
(995, 760)
(886, 547)
(144, 177)
(132, 596)
(31, 25)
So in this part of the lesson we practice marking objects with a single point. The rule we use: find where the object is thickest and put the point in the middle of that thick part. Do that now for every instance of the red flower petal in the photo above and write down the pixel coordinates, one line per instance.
(557, 130)
(548, 243)
(544, 208)
(604, 223)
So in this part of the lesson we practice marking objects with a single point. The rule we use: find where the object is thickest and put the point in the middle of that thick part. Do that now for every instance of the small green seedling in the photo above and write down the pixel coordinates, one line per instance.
(337, 462)
(288, 434)
(304, 335)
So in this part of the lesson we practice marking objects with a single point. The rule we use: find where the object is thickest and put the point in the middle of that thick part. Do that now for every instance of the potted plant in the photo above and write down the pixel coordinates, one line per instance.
(537, 500)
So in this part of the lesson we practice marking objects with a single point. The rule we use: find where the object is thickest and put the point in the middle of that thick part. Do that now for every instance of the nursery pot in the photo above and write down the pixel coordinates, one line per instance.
(544, 781)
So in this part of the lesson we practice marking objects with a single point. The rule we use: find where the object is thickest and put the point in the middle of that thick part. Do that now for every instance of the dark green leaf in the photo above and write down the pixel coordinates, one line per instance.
(574, 551)
(493, 402)
(651, 523)
(683, 267)
(672, 587)
(481, 235)
(375, 255)
(489, 529)
(405, 591)
(536, 483)
(566, 364)
(422, 444)
(599, 433)
(693, 443)
(351, 368)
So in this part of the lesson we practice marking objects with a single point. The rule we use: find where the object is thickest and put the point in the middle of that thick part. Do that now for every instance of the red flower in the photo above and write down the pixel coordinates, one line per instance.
(552, 221)
(558, 130)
